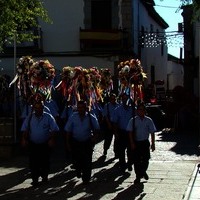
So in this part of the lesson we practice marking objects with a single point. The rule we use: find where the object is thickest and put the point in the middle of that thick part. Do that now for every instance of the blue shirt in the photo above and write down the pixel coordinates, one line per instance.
(81, 129)
(40, 128)
(27, 111)
(96, 110)
(121, 116)
(53, 107)
(67, 112)
(143, 127)
(108, 109)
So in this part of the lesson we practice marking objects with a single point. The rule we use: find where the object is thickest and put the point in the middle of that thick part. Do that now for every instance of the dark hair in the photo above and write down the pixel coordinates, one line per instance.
(112, 95)
(38, 103)
(141, 104)
(82, 102)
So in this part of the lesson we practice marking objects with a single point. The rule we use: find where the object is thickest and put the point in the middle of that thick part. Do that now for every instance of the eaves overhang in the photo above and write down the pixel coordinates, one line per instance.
(149, 5)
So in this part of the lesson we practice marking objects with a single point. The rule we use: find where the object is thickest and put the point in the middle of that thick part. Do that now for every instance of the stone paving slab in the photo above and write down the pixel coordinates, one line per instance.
(168, 180)
(171, 177)
(193, 190)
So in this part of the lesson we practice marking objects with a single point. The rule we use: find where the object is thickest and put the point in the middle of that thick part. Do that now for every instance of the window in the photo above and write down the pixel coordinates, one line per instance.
(101, 14)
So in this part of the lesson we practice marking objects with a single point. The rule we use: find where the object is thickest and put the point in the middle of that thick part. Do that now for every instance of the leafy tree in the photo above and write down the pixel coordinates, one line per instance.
(18, 16)
(196, 7)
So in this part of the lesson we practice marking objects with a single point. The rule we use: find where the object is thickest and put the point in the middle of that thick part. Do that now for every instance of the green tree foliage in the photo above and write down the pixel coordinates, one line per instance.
(18, 16)
(196, 7)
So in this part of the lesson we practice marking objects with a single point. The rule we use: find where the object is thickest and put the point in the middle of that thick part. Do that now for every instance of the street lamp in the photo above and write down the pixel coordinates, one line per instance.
(15, 92)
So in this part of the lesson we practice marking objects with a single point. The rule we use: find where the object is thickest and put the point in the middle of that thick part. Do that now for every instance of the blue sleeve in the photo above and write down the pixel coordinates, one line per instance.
(152, 127)
(25, 124)
(130, 125)
(53, 124)
(114, 117)
(68, 125)
(95, 122)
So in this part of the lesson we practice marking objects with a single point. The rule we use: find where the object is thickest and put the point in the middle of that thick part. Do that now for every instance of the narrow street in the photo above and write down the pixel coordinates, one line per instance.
(171, 167)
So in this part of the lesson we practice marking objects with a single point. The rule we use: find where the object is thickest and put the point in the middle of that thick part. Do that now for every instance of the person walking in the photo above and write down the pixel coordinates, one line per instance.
(82, 130)
(139, 129)
(108, 111)
(122, 115)
(38, 134)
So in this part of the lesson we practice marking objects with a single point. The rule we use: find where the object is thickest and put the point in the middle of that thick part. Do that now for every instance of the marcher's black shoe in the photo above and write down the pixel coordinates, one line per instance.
(86, 181)
(44, 179)
(122, 170)
(137, 180)
(130, 168)
(146, 177)
(35, 183)
(78, 174)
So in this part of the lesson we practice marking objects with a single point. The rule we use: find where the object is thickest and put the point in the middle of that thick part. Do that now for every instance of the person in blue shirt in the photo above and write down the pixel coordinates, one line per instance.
(82, 130)
(27, 109)
(108, 111)
(38, 134)
(121, 116)
(53, 107)
(67, 111)
(140, 128)
(27, 106)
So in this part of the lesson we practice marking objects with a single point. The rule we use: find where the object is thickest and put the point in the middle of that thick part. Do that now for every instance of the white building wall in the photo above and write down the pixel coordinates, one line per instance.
(63, 34)
(149, 55)
(175, 74)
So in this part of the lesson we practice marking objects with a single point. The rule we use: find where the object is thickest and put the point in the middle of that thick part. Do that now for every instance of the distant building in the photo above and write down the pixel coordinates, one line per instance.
(175, 73)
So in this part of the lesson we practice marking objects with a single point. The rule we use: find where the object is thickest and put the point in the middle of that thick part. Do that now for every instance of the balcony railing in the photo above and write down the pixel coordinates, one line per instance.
(106, 40)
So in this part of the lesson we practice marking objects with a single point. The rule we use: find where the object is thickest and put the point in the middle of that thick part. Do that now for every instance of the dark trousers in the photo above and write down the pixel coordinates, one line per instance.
(82, 156)
(39, 155)
(141, 156)
(108, 136)
(123, 149)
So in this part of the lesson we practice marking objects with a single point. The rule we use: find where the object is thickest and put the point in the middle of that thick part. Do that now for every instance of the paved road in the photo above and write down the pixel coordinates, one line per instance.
(171, 171)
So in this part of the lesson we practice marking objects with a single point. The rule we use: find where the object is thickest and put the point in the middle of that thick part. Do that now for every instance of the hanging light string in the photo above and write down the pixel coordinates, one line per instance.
(155, 39)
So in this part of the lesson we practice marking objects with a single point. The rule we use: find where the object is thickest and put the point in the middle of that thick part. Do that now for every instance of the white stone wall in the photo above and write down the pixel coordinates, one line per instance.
(149, 55)
(63, 34)
(175, 73)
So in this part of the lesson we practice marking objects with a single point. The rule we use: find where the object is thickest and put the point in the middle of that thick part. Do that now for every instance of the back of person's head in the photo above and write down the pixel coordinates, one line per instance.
(125, 98)
(82, 102)
(113, 97)
(38, 104)
(141, 105)
(81, 106)
(38, 107)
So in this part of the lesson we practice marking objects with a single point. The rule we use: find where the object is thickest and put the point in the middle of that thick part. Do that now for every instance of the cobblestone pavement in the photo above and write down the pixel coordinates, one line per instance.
(171, 169)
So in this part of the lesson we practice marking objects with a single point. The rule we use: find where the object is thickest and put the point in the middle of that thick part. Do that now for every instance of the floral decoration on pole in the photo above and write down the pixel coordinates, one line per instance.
(85, 84)
(34, 77)
(22, 76)
(131, 78)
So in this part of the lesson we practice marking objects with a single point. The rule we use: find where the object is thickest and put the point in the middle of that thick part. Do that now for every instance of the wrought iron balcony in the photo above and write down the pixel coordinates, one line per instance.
(102, 40)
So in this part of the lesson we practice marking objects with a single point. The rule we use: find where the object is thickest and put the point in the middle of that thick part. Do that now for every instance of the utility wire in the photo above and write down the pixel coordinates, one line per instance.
(166, 6)
(161, 5)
